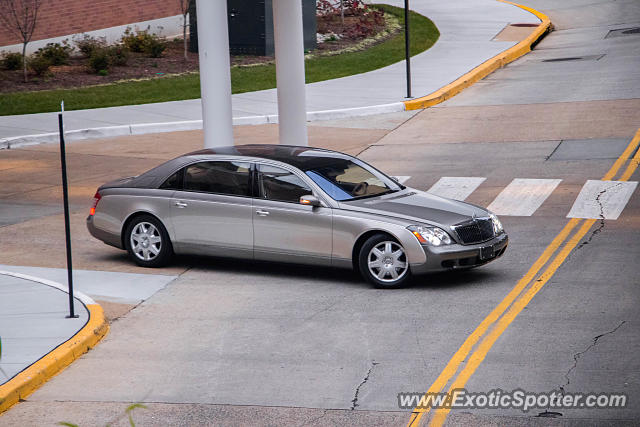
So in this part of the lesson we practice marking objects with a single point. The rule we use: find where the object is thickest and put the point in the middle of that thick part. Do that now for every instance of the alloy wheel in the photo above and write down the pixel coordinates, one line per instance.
(387, 262)
(146, 241)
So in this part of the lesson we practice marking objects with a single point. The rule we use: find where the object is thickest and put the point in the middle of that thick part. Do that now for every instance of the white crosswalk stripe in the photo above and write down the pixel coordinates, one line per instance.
(602, 199)
(456, 187)
(522, 197)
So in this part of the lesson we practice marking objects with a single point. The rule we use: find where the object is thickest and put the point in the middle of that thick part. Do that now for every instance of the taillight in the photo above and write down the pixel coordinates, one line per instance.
(96, 199)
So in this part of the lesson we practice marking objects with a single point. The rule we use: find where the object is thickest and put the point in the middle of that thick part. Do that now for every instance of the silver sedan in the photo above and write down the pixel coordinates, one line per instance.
(292, 204)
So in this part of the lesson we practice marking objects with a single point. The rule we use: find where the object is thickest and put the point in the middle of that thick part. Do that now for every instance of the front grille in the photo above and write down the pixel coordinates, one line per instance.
(475, 231)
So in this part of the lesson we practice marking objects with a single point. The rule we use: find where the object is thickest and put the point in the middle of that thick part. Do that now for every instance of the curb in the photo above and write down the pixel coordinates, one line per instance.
(30, 379)
(487, 67)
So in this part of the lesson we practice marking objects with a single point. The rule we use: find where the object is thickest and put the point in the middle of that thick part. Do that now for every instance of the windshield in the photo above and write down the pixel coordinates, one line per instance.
(345, 179)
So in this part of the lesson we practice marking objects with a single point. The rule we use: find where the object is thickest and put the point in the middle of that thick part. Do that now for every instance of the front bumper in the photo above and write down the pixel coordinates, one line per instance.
(458, 256)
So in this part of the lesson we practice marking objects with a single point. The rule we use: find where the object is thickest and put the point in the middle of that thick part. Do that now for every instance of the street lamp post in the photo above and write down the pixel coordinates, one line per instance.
(67, 227)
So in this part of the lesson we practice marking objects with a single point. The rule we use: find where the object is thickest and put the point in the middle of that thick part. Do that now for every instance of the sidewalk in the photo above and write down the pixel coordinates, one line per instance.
(468, 29)
(37, 338)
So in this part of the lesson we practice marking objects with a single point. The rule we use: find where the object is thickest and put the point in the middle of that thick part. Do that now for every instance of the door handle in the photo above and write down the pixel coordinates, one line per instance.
(180, 204)
(260, 212)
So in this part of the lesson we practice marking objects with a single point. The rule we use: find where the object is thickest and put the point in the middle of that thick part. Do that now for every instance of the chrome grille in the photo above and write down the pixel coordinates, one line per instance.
(475, 231)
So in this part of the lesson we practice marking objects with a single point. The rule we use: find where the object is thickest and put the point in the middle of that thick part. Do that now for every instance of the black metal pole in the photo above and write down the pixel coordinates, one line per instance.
(406, 46)
(67, 228)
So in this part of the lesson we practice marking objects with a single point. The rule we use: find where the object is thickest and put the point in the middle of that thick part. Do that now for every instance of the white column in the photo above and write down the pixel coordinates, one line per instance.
(215, 76)
(289, 47)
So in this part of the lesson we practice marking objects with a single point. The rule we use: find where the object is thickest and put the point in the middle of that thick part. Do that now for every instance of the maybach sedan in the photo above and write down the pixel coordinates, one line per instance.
(292, 204)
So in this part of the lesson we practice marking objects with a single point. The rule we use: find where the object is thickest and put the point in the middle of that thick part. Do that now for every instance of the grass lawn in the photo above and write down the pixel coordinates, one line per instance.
(243, 79)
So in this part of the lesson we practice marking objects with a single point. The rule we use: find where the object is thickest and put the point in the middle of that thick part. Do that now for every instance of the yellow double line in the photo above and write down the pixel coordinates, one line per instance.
(490, 329)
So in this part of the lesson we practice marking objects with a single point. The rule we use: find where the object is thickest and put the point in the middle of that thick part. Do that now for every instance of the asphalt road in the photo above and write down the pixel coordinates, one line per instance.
(244, 343)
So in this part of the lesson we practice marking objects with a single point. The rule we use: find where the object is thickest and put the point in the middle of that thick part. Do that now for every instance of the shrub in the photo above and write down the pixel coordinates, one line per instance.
(118, 55)
(11, 60)
(103, 72)
(143, 41)
(99, 60)
(155, 46)
(87, 44)
(39, 64)
(56, 53)
(136, 42)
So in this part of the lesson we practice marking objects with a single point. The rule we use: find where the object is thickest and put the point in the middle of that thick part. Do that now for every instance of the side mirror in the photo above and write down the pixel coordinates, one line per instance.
(310, 200)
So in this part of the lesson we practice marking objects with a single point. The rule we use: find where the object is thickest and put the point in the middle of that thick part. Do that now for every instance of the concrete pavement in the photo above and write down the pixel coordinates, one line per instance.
(468, 37)
(259, 338)
(109, 286)
(32, 231)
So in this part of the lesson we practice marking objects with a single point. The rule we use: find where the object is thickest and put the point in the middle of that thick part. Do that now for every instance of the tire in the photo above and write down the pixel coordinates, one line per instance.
(147, 242)
(379, 261)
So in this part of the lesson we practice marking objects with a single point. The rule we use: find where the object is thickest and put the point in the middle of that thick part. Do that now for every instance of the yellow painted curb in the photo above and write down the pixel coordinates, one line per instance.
(486, 67)
(27, 381)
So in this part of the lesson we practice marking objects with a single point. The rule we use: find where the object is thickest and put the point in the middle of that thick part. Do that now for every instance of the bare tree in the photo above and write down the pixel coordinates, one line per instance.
(184, 8)
(20, 17)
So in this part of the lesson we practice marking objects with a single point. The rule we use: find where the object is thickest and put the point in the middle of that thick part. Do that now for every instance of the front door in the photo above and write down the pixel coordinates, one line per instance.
(283, 229)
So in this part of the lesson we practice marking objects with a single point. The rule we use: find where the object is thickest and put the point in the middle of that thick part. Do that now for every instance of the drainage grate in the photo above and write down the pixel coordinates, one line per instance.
(623, 32)
(575, 58)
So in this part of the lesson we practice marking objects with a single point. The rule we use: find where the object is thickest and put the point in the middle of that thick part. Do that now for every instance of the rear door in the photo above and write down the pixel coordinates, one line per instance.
(212, 213)
(283, 229)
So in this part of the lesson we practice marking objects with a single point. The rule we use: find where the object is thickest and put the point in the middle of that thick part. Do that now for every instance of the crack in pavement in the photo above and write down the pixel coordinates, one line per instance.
(601, 225)
(578, 355)
(354, 401)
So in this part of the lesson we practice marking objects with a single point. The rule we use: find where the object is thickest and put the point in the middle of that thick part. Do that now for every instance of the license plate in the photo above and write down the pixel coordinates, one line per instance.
(486, 253)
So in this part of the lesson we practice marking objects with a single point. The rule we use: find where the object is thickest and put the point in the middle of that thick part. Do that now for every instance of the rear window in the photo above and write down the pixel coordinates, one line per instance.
(174, 182)
(231, 178)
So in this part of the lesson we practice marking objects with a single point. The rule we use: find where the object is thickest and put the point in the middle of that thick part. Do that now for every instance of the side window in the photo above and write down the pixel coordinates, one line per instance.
(174, 182)
(279, 184)
(230, 178)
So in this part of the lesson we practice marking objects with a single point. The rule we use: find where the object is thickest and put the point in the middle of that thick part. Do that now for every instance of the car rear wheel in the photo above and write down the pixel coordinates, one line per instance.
(147, 242)
(383, 262)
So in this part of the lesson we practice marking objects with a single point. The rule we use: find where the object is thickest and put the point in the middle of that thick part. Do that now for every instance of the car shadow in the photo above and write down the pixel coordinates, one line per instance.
(440, 280)
(263, 268)
(455, 278)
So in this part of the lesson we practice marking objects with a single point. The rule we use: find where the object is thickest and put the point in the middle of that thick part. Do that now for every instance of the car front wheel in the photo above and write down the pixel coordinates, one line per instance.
(383, 262)
(147, 242)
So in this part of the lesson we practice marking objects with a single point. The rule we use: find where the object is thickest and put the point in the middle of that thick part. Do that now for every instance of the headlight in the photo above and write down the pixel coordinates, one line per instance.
(431, 235)
(497, 225)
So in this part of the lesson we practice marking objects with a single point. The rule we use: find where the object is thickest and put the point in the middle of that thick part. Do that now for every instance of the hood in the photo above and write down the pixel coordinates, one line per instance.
(416, 205)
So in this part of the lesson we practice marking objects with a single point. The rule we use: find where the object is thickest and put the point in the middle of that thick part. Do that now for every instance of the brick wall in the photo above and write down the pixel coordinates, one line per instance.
(62, 17)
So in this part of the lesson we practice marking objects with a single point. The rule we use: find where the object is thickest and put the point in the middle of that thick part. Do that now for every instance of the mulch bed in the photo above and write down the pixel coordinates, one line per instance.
(77, 73)
(140, 66)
